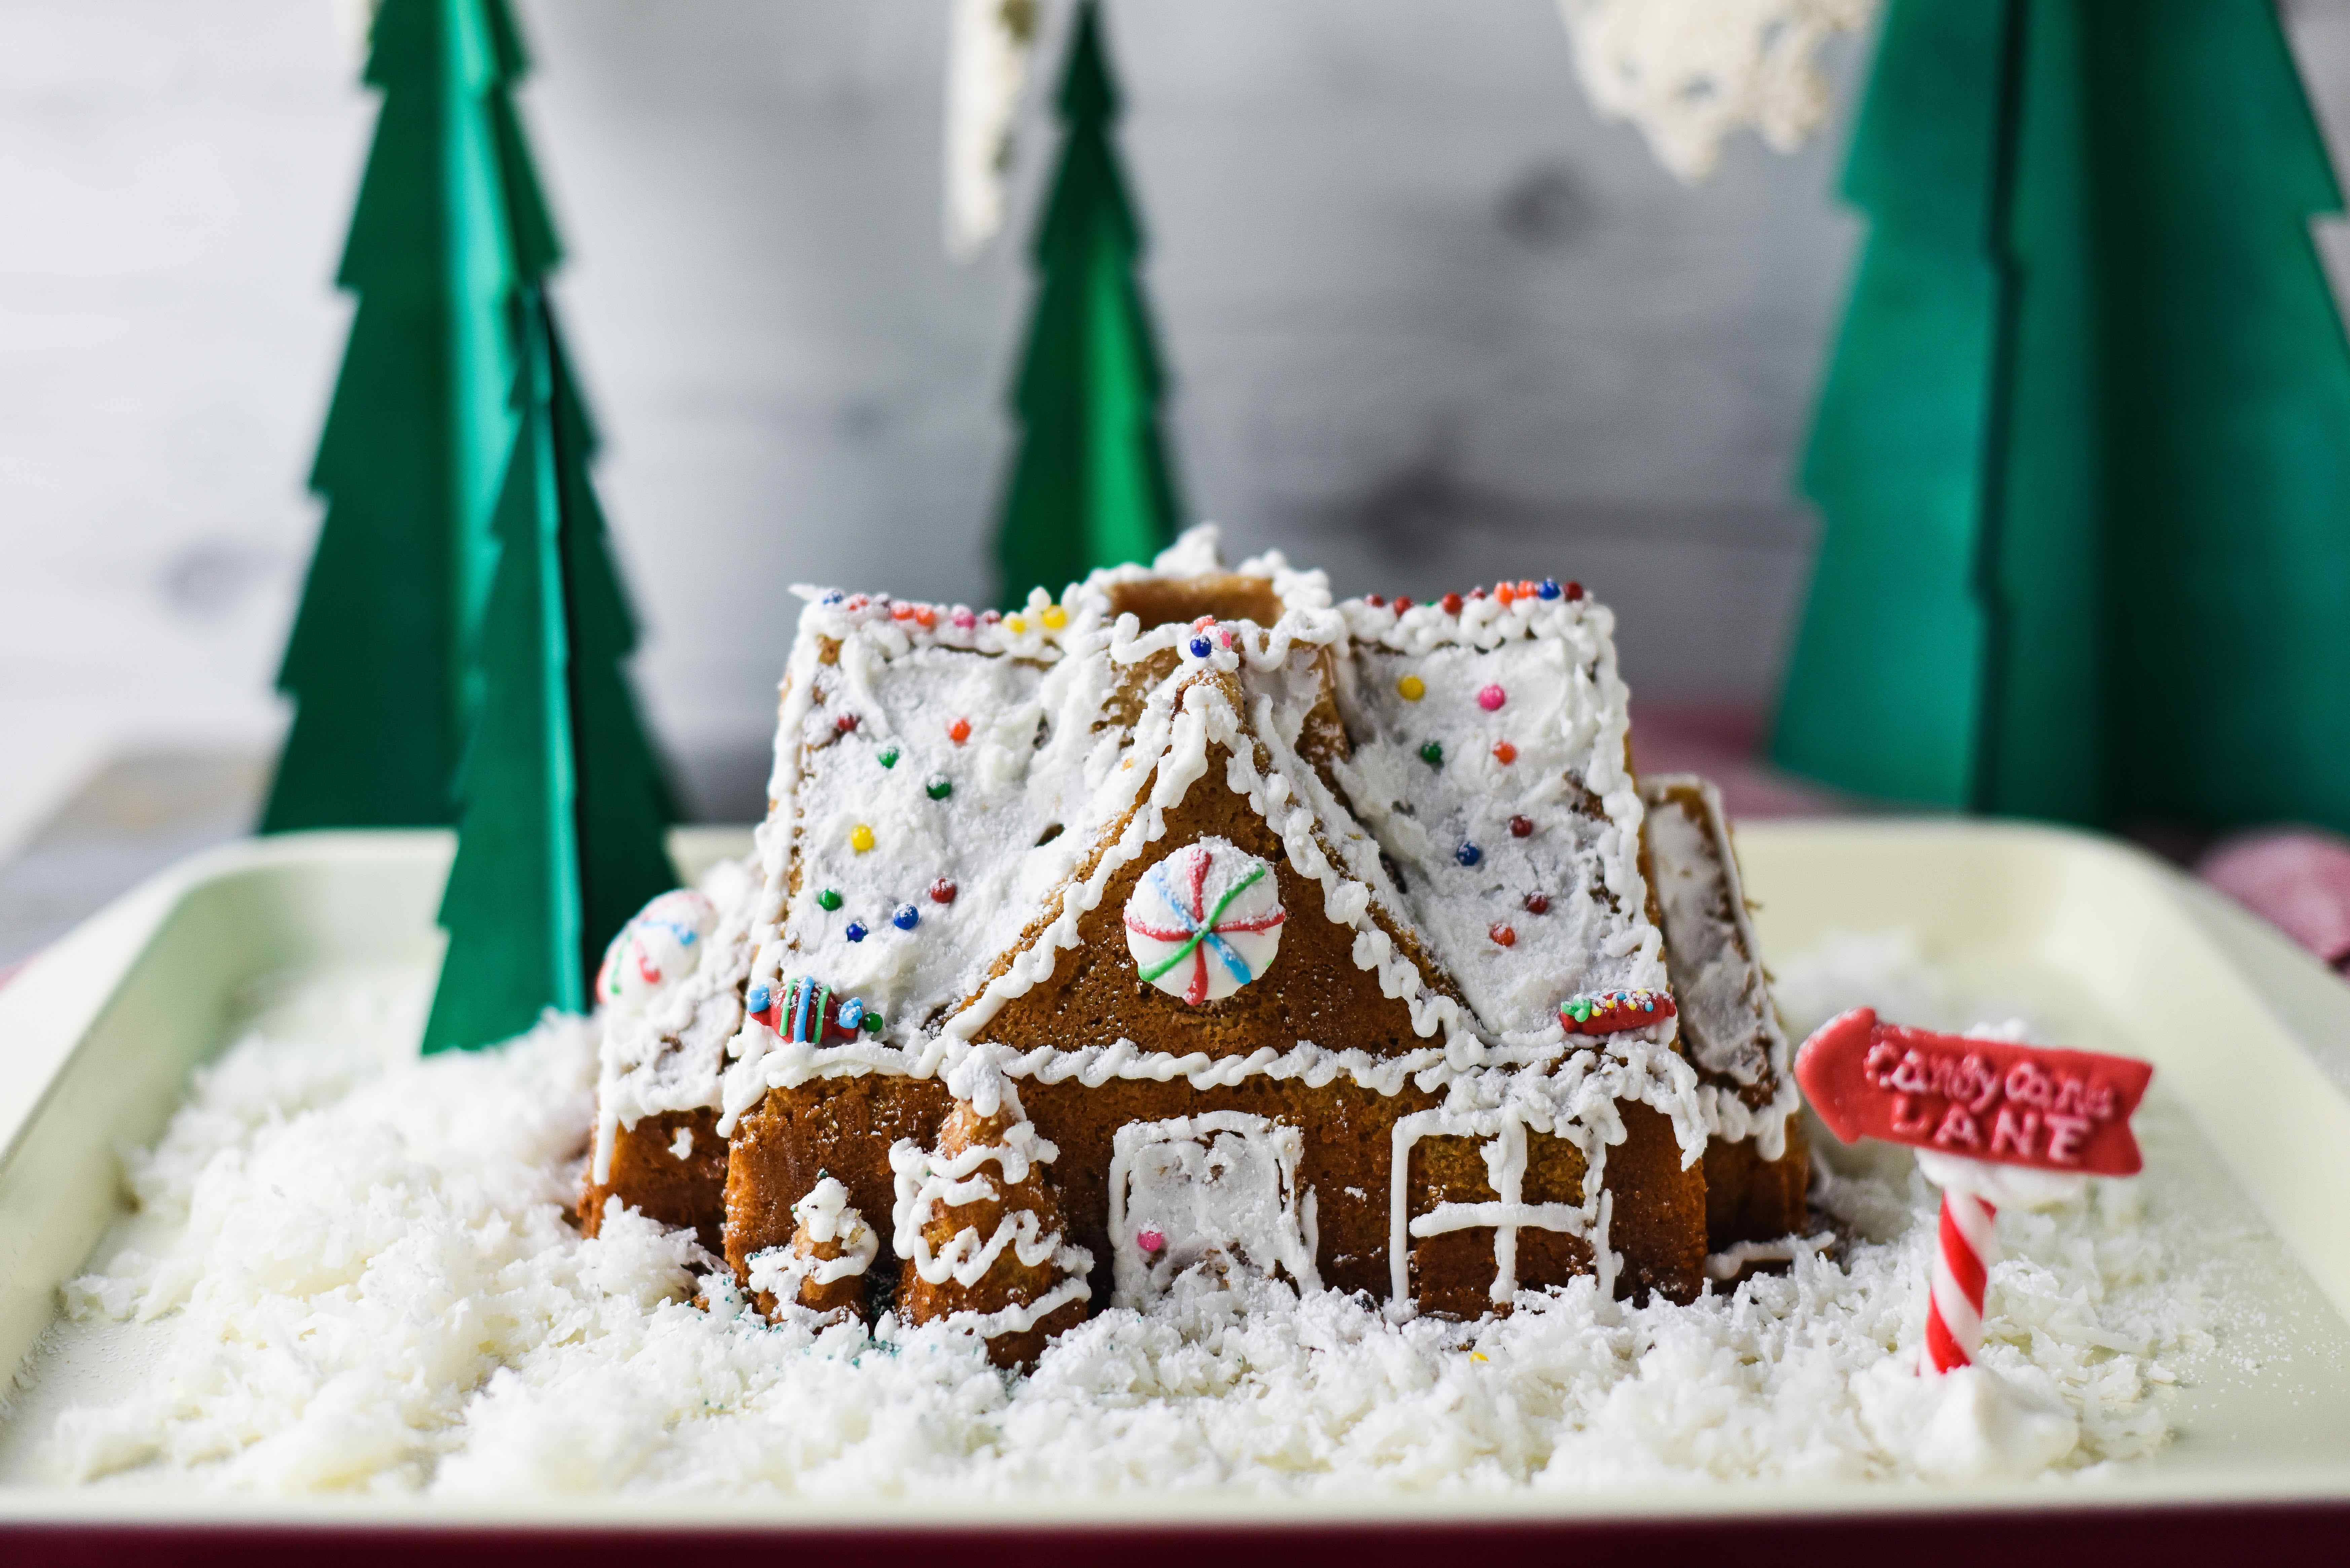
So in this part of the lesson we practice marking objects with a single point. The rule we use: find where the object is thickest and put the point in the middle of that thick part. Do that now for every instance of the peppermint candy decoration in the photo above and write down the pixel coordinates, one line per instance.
(1204, 922)
(660, 946)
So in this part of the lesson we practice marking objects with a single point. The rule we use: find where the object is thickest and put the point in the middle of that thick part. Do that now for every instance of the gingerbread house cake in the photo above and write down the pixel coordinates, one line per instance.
(1194, 922)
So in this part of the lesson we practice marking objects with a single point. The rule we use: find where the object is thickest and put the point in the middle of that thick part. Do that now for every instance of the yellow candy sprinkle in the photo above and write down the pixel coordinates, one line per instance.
(1015, 624)
(860, 838)
(1411, 689)
(1054, 618)
(1476, 1355)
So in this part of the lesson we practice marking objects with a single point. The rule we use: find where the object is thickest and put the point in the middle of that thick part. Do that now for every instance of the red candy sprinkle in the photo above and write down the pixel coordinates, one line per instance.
(925, 617)
(943, 891)
(1505, 754)
(845, 723)
(1402, 605)
(1504, 937)
(1490, 698)
(1574, 590)
(1537, 905)
(1521, 827)
(1377, 601)
(965, 619)
(958, 732)
(1476, 593)
(1451, 604)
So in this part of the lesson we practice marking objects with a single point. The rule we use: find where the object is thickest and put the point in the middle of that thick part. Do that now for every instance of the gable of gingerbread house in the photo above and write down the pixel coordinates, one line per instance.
(1224, 868)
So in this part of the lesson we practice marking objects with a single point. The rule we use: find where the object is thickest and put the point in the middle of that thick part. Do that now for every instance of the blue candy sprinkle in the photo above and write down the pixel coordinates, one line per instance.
(835, 597)
(1549, 589)
(1201, 648)
(907, 917)
(856, 932)
(1468, 854)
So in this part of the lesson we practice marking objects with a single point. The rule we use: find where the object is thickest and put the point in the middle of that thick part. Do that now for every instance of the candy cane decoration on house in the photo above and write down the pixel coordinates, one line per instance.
(1993, 1122)
(1204, 922)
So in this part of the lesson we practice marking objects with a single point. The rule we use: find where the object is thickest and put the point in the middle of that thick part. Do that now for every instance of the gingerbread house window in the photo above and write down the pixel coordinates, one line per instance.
(1502, 1141)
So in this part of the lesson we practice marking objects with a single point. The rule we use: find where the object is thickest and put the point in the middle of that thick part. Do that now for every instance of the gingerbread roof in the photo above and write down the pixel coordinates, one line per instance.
(953, 790)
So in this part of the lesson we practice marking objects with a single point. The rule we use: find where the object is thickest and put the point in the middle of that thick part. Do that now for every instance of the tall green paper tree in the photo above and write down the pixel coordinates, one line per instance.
(564, 806)
(1092, 485)
(450, 222)
(2083, 452)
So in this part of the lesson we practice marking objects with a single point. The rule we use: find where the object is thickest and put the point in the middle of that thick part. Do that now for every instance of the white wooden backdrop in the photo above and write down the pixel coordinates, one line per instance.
(1432, 323)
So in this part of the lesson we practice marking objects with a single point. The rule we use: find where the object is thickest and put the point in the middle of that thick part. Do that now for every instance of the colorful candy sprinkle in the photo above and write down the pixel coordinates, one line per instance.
(855, 931)
(1377, 601)
(926, 616)
(845, 723)
(1015, 624)
(1503, 935)
(1490, 698)
(1411, 689)
(1201, 648)
(1537, 904)
(1452, 603)
(943, 891)
(958, 732)
(860, 838)
(1468, 853)
(938, 786)
(906, 918)
(872, 1024)
(1402, 605)
(1521, 826)
(1054, 618)
(1547, 588)
(827, 901)
(1505, 754)
(1609, 1012)
(964, 619)
(1505, 594)
(1573, 590)
(1432, 753)
(889, 757)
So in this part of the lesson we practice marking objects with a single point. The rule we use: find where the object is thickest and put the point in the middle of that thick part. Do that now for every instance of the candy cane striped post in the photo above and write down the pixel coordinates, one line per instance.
(1964, 1252)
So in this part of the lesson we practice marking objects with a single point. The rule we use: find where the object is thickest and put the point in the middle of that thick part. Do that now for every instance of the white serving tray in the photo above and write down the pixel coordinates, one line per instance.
(2250, 1036)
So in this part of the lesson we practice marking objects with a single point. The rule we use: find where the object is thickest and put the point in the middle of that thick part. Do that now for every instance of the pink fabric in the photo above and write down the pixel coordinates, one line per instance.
(2298, 879)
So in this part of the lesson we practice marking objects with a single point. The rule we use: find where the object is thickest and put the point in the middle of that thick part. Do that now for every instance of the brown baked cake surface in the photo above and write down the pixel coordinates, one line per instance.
(1311, 939)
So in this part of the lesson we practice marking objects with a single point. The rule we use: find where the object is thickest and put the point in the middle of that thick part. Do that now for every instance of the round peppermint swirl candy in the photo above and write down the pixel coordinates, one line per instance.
(658, 948)
(1204, 922)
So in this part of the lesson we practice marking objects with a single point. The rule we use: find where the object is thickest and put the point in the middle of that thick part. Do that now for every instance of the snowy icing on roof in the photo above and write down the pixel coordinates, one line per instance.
(954, 790)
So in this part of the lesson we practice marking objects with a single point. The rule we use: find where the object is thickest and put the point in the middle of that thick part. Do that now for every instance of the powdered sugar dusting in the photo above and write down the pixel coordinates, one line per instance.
(362, 1276)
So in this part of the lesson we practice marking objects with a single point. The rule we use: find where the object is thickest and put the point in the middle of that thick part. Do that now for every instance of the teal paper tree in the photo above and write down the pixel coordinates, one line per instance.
(2083, 450)
(449, 223)
(1092, 485)
(565, 808)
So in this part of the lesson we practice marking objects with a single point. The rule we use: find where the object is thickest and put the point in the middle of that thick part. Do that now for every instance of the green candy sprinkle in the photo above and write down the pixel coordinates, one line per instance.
(939, 787)
(1432, 754)
(872, 1024)
(827, 899)
(890, 758)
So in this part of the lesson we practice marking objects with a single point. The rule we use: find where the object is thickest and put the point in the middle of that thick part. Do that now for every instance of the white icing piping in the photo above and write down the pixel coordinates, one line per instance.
(927, 1185)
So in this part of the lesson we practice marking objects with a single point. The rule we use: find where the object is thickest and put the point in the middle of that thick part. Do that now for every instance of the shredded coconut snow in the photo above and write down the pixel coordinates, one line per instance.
(364, 1278)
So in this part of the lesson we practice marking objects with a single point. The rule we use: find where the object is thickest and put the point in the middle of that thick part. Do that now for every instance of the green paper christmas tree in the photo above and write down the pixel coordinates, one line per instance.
(564, 808)
(449, 223)
(1092, 485)
(2083, 450)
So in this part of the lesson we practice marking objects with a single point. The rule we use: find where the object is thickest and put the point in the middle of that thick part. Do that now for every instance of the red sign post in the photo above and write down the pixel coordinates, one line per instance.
(1971, 1099)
